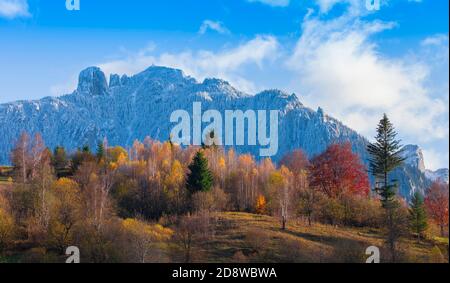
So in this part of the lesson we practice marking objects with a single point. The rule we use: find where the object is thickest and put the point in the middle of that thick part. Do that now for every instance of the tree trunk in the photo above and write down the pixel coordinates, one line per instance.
(283, 220)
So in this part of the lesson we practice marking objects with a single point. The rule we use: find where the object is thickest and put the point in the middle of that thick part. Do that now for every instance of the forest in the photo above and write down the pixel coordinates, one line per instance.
(160, 202)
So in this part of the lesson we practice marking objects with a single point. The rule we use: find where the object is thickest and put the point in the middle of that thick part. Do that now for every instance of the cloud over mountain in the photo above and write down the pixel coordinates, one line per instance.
(11, 9)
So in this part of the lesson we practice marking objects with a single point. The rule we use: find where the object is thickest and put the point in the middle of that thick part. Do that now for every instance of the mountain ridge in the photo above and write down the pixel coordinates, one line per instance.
(132, 107)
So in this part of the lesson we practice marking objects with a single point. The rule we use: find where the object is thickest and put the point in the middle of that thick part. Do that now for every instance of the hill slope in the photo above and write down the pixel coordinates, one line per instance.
(242, 237)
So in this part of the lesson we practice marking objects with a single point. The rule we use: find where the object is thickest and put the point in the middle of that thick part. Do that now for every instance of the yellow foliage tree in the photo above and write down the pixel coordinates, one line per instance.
(144, 237)
(65, 212)
(174, 185)
(261, 204)
(116, 154)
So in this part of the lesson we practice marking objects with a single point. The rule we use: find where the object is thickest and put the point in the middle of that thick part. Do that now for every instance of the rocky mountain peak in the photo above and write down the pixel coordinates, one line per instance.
(413, 155)
(92, 81)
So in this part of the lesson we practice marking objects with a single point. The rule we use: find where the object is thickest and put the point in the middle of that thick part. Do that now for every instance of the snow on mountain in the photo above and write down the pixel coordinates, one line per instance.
(414, 157)
(438, 175)
(130, 108)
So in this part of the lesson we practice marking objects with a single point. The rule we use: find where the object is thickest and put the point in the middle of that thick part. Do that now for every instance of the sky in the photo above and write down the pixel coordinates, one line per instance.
(355, 63)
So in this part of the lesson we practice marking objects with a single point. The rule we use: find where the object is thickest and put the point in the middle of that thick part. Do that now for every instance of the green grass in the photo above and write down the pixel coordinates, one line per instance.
(242, 237)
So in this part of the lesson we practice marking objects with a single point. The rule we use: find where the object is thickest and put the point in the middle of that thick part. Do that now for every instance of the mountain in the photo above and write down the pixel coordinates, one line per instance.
(438, 175)
(414, 157)
(130, 108)
(411, 176)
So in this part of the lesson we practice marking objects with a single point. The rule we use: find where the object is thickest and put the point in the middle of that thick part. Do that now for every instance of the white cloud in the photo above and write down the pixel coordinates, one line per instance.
(11, 9)
(273, 3)
(213, 25)
(433, 159)
(339, 68)
(227, 64)
(436, 40)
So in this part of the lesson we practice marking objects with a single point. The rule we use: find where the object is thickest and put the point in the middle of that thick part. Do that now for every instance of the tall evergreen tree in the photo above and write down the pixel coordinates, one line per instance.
(386, 155)
(417, 214)
(200, 178)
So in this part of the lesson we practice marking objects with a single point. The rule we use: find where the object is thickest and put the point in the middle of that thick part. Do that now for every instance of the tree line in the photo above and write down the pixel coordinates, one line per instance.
(151, 202)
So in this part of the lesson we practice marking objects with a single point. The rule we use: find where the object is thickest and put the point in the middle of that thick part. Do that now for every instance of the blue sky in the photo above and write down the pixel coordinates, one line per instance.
(354, 63)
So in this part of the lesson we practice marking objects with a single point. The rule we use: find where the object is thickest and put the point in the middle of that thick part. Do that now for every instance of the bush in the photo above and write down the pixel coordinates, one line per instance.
(349, 252)
(362, 212)
(213, 201)
(6, 228)
(331, 211)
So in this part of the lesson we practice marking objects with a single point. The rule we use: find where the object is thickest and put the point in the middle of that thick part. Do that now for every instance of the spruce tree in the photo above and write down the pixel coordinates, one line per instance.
(386, 156)
(417, 214)
(100, 151)
(200, 178)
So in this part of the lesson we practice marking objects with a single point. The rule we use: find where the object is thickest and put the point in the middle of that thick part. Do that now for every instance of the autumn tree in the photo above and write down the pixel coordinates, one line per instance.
(191, 230)
(174, 185)
(261, 205)
(96, 183)
(7, 224)
(21, 158)
(246, 186)
(339, 171)
(436, 202)
(385, 156)
(298, 163)
(281, 186)
(295, 161)
(143, 239)
(417, 215)
(211, 201)
(116, 154)
(65, 214)
(43, 181)
(308, 203)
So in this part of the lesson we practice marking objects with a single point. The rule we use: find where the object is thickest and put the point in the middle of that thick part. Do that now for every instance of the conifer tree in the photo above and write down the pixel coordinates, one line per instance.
(100, 151)
(418, 216)
(200, 178)
(386, 156)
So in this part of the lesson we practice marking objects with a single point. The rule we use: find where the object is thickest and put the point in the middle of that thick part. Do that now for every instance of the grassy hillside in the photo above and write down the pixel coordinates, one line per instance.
(242, 237)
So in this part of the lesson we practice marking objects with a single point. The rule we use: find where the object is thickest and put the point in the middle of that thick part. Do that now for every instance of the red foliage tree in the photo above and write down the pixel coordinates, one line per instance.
(339, 171)
(436, 202)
